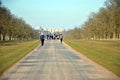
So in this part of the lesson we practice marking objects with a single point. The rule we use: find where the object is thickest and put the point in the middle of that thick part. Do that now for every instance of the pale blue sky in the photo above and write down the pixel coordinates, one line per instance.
(53, 13)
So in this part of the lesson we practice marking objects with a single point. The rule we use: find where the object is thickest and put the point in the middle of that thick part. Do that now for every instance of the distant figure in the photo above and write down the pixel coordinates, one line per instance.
(47, 36)
(61, 38)
(42, 37)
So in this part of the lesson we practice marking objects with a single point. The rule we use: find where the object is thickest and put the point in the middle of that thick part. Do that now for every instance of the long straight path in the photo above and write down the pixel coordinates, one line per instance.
(55, 61)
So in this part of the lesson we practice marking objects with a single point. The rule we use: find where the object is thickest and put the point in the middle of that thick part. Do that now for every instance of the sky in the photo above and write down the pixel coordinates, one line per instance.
(65, 14)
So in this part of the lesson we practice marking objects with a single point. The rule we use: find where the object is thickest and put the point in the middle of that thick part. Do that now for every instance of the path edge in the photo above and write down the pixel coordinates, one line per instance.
(19, 61)
(93, 62)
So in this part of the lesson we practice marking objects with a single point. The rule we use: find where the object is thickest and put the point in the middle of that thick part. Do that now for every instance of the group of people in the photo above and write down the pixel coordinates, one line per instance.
(42, 38)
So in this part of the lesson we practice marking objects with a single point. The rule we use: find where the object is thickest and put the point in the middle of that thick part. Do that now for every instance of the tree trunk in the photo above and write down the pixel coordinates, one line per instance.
(108, 37)
(119, 36)
(103, 36)
(4, 37)
(94, 37)
(114, 35)
(0, 36)
(10, 36)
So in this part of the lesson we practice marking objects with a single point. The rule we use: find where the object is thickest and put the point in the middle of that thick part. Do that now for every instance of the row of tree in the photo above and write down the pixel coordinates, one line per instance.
(104, 24)
(14, 28)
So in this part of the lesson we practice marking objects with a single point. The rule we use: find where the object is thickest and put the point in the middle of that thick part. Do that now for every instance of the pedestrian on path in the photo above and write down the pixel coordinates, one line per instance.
(42, 37)
(61, 38)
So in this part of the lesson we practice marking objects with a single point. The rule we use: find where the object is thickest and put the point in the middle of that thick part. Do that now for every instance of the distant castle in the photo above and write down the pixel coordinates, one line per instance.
(51, 30)
(51, 33)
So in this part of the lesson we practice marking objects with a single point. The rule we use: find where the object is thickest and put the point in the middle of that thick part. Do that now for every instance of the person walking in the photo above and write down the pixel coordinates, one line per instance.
(42, 37)
(61, 38)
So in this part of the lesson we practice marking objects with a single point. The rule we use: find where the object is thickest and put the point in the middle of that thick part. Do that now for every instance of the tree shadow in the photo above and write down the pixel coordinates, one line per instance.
(7, 43)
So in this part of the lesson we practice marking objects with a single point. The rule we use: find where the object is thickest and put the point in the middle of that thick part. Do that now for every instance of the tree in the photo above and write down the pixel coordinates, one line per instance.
(113, 7)
(105, 24)
(4, 21)
(14, 28)
(0, 3)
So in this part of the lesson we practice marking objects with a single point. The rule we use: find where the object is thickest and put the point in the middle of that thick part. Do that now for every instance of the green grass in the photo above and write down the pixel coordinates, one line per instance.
(13, 51)
(103, 52)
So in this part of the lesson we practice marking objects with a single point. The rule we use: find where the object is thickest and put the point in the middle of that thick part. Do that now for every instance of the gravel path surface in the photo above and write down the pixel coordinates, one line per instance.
(55, 61)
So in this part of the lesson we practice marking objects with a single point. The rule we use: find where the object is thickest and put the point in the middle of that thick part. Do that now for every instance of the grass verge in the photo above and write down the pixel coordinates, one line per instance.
(13, 51)
(103, 52)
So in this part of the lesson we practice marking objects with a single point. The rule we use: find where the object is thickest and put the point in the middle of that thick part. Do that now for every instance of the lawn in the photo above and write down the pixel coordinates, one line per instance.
(13, 51)
(103, 52)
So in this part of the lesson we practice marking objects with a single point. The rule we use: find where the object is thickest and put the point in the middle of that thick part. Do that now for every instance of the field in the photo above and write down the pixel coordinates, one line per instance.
(13, 51)
(103, 52)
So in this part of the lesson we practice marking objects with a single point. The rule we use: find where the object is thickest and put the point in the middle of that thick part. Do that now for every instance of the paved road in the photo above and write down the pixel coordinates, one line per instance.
(55, 61)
